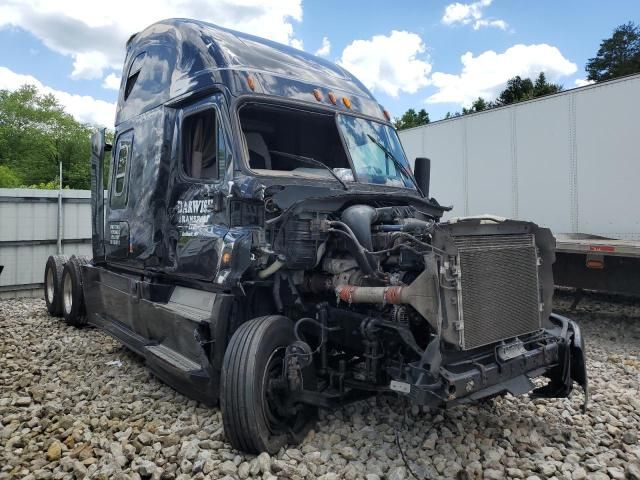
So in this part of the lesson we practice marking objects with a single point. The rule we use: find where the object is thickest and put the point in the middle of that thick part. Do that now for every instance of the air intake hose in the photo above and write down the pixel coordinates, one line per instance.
(359, 218)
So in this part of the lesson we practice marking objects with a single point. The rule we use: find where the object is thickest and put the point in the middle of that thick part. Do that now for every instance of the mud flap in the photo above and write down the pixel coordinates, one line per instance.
(572, 364)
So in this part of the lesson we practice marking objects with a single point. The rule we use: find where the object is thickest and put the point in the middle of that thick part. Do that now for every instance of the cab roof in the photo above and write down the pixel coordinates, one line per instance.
(176, 58)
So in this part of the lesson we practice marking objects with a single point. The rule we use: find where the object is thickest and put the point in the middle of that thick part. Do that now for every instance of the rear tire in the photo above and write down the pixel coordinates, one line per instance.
(253, 364)
(73, 308)
(53, 283)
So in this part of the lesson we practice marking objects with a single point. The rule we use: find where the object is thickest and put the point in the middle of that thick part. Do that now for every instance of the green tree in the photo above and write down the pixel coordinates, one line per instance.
(618, 55)
(541, 87)
(36, 134)
(478, 105)
(411, 118)
(519, 89)
(8, 178)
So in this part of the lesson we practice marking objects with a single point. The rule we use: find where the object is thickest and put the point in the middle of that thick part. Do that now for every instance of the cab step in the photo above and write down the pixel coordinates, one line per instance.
(195, 305)
(178, 361)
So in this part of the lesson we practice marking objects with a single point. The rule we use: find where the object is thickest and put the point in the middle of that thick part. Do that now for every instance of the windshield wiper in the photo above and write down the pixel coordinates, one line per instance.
(311, 161)
(396, 162)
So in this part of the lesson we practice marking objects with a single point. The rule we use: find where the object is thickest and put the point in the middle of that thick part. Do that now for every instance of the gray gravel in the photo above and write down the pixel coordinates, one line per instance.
(75, 404)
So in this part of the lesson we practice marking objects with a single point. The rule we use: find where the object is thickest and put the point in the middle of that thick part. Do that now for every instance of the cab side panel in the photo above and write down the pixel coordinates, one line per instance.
(136, 209)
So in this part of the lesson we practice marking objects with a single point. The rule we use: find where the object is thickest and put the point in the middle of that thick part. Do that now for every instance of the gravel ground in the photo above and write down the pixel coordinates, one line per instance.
(75, 404)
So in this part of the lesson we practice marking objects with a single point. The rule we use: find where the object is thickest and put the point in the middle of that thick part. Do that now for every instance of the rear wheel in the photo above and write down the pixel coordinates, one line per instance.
(73, 308)
(254, 392)
(53, 283)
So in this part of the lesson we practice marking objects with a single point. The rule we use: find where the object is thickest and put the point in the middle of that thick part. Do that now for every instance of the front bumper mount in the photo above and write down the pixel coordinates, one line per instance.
(559, 356)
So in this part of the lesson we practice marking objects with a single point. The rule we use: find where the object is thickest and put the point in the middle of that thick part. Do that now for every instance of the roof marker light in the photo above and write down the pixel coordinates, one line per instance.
(251, 82)
(317, 94)
(347, 102)
(386, 115)
(332, 98)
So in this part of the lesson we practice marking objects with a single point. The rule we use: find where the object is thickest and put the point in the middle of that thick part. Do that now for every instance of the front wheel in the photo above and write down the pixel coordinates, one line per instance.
(254, 392)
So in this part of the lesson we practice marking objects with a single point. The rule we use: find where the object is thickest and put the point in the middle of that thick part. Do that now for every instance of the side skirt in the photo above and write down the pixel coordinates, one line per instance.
(171, 327)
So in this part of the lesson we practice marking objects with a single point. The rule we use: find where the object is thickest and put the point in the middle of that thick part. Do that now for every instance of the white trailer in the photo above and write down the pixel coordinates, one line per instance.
(569, 161)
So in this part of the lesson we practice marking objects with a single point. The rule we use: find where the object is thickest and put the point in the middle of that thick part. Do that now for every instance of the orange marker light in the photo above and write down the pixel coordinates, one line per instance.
(386, 115)
(332, 98)
(251, 82)
(226, 259)
(347, 102)
(317, 94)
(595, 264)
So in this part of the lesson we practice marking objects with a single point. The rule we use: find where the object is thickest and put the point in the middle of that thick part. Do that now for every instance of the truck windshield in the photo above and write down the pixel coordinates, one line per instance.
(295, 142)
(373, 147)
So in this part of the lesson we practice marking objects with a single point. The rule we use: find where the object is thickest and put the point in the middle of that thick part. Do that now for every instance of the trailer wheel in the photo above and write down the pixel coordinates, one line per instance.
(53, 283)
(73, 308)
(254, 392)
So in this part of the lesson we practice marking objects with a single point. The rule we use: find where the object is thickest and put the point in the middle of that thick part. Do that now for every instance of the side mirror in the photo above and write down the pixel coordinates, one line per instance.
(422, 172)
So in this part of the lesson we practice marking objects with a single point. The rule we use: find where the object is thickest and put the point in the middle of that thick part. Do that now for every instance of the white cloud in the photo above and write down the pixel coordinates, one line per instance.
(94, 35)
(583, 82)
(485, 75)
(84, 108)
(470, 14)
(388, 63)
(89, 65)
(111, 82)
(501, 24)
(325, 49)
(297, 43)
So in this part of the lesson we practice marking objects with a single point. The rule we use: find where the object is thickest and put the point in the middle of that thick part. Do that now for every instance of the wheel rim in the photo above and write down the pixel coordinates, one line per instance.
(275, 409)
(274, 399)
(272, 371)
(49, 286)
(67, 296)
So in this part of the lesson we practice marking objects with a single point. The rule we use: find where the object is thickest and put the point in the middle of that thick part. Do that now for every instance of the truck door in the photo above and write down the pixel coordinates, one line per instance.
(117, 241)
(198, 212)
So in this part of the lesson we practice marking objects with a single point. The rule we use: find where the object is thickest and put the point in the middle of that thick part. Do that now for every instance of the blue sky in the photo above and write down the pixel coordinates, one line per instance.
(437, 55)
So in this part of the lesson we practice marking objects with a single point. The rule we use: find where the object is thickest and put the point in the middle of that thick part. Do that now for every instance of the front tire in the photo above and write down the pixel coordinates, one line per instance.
(73, 308)
(253, 412)
(53, 283)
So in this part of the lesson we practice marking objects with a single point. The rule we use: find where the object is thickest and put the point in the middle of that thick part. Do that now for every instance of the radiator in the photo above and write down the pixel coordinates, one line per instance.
(499, 294)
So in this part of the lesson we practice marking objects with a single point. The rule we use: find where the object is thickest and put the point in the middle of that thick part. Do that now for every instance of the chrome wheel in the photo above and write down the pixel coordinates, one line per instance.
(67, 294)
(49, 286)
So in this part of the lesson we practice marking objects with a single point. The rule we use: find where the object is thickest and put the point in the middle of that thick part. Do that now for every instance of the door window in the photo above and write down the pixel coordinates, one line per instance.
(121, 160)
(203, 148)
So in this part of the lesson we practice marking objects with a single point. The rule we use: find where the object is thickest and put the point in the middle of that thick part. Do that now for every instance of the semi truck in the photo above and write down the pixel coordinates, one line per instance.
(568, 161)
(265, 245)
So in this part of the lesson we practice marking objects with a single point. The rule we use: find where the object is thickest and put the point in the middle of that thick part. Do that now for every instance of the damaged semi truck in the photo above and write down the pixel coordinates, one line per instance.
(264, 244)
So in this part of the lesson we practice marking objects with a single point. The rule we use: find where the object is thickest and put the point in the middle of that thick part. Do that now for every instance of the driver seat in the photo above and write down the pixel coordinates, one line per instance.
(259, 156)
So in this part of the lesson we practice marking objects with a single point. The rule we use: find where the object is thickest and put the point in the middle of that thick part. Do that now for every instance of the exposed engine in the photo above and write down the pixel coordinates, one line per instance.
(386, 294)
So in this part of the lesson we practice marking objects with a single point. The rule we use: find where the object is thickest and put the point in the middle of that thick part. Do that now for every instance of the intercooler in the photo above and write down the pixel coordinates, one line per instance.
(499, 293)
